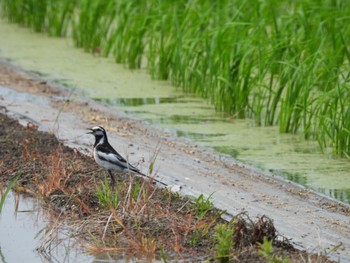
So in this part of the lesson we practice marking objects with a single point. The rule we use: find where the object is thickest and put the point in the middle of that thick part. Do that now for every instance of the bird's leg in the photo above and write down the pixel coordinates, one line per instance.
(112, 179)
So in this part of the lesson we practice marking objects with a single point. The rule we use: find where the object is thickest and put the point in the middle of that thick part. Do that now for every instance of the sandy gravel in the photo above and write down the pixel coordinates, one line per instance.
(313, 222)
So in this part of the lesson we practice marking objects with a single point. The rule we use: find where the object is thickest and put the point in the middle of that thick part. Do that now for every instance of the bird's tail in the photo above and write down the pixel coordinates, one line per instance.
(135, 170)
(151, 178)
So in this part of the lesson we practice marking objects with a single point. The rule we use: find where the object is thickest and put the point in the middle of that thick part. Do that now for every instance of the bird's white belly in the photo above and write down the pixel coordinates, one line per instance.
(107, 165)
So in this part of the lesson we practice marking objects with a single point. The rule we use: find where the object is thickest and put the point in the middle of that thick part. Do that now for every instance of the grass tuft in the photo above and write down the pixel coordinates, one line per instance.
(202, 206)
(224, 242)
(106, 196)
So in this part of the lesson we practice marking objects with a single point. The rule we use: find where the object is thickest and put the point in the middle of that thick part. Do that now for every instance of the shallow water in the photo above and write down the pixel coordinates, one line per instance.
(24, 234)
(163, 105)
(23, 224)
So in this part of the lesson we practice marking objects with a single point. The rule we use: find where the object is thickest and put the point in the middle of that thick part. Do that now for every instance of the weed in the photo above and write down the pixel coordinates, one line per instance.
(7, 190)
(153, 160)
(163, 255)
(202, 206)
(66, 103)
(136, 190)
(266, 250)
(224, 242)
(106, 196)
(199, 232)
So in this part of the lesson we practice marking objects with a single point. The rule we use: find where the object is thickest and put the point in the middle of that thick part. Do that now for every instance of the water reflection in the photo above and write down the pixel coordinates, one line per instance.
(182, 109)
(339, 194)
(26, 228)
(295, 177)
(227, 150)
(160, 119)
(203, 138)
(138, 101)
(30, 233)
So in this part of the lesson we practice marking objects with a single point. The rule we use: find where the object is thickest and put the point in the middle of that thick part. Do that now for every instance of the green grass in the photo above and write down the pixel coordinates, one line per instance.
(224, 242)
(202, 206)
(266, 250)
(106, 196)
(281, 63)
(6, 192)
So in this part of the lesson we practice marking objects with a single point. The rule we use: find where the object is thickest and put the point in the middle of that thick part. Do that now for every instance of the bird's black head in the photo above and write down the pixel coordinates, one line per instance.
(99, 133)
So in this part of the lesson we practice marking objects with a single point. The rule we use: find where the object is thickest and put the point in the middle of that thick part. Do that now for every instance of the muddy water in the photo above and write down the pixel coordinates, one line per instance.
(163, 105)
(23, 232)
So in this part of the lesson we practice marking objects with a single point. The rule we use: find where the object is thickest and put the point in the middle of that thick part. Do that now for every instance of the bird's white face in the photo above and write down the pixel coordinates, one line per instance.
(99, 131)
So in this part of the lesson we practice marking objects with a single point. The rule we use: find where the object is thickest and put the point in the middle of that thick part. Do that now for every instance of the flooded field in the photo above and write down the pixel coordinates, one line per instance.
(160, 104)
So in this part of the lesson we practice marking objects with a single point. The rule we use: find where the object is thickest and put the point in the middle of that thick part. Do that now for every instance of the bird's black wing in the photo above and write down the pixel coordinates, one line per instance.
(107, 152)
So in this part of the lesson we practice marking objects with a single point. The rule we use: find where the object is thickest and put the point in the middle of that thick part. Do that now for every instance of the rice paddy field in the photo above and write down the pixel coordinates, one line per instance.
(278, 62)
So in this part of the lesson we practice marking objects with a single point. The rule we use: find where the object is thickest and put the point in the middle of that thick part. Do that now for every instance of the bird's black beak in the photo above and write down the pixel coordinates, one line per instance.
(90, 131)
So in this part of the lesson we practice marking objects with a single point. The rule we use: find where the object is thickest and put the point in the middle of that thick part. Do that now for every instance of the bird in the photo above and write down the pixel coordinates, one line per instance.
(108, 158)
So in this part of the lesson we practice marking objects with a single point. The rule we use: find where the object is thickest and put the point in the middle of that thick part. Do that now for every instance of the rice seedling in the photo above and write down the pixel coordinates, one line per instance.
(273, 61)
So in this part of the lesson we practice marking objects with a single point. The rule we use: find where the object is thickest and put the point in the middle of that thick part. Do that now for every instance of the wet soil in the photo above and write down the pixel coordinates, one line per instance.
(38, 156)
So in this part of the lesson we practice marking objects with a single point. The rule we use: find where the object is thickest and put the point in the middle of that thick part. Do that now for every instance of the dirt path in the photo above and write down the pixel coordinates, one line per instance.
(313, 222)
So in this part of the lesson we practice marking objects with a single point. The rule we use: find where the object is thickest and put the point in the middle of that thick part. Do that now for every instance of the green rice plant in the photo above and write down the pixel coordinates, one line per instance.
(127, 32)
(38, 10)
(59, 17)
(273, 61)
(334, 126)
(31, 13)
(291, 107)
(117, 41)
(92, 26)
(17, 11)
(224, 242)
(107, 197)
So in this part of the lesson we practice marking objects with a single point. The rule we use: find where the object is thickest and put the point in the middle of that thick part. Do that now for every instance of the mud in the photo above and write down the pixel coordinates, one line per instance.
(312, 221)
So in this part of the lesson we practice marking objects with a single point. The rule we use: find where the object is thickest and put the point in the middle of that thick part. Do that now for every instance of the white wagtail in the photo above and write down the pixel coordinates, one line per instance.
(108, 158)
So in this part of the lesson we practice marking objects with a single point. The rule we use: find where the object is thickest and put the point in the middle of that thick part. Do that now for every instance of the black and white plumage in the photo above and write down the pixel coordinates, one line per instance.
(107, 157)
